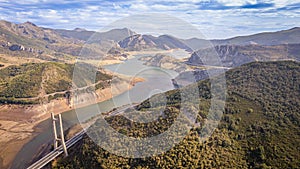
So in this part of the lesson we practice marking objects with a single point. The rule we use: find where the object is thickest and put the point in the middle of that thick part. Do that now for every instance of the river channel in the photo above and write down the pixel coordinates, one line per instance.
(156, 80)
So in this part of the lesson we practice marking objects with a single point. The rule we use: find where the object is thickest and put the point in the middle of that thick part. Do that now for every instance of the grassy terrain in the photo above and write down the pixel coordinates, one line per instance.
(259, 127)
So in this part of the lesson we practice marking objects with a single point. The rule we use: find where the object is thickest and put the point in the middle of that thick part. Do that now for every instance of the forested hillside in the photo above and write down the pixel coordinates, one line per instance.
(27, 82)
(259, 128)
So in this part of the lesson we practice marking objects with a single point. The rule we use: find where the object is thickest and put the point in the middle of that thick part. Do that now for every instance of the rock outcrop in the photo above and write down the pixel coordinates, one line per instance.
(16, 47)
(142, 42)
(166, 62)
(235, 55)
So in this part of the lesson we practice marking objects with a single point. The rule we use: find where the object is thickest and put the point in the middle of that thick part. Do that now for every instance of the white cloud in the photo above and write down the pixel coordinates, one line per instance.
(236, 2)
(175, 7)
(139, 7)
(180, 1)
(93, 8)
(282, 3)
(213, 23)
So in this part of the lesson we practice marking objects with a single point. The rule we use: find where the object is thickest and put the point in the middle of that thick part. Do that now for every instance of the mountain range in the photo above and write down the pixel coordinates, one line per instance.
(290, 36)
(236, 55)
(85, 35)
(140, 42)
(29, 40)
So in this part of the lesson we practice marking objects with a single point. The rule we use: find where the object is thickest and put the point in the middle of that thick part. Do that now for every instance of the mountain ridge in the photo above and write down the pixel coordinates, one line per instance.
(85, 35)
(27, 39)
(140, 42)
(289, 36)
(236, 55)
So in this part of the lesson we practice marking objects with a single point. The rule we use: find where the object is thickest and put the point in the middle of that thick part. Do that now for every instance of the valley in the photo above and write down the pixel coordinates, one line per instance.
(255, 130)
(76, 72)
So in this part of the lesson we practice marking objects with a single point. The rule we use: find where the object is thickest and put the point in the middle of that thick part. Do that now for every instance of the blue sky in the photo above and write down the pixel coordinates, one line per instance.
(214, 18)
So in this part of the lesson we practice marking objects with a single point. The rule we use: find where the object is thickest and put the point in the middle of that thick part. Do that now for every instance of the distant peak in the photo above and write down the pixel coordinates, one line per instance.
(125, 29)
(295, 28)
(136, 36)
(29, 23)
(4, 22)
(79, 29)
(166, 36)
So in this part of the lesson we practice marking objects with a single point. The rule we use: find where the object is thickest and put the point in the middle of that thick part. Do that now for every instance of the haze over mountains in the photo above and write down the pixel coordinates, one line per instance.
(235, 55)
(30, 41)
(290, 36)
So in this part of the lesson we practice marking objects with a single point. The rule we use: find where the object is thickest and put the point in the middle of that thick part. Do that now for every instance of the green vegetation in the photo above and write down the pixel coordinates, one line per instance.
(85, 74)
(24, 84)
(259, 128)
(21, 81)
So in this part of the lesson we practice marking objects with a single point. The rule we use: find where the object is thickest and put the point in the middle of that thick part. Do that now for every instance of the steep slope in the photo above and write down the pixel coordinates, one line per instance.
(77, 33)
(290, 36)
(28, 40)
(81, 34)
(234, 55)
(197, 44)
(28, 82)
(259, 127)
(140, 42)
(32, 31)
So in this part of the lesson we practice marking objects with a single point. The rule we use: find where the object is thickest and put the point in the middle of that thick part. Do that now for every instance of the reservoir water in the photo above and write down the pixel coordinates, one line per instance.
(156, 80)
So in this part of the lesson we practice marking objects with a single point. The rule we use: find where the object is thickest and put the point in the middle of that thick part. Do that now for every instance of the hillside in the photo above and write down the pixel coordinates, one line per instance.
(259, 127)
(29, 41)
(77, 33)
(81, 34)
(142, 42)
(166, 62)
(235, 55)
(27, 82)
(290, 36)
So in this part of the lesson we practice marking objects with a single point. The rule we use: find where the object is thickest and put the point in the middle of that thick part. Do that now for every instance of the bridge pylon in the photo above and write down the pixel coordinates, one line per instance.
(57, 139)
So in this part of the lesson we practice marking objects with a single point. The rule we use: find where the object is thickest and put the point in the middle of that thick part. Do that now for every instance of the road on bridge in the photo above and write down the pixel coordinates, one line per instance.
(55, 153)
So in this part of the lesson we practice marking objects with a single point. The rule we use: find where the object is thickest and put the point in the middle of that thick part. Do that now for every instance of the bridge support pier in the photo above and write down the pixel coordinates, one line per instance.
(55, 144)
(60, 139)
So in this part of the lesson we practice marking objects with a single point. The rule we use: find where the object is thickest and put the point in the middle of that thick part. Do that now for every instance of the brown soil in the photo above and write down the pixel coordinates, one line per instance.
(18, 122)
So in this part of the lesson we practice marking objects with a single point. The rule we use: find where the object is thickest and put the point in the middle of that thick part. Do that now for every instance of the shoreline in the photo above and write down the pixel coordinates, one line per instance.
(26, 124)
(17, 129)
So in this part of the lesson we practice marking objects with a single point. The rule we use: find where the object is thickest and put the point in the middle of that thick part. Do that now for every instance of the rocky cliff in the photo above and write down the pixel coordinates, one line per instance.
(235, 55)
